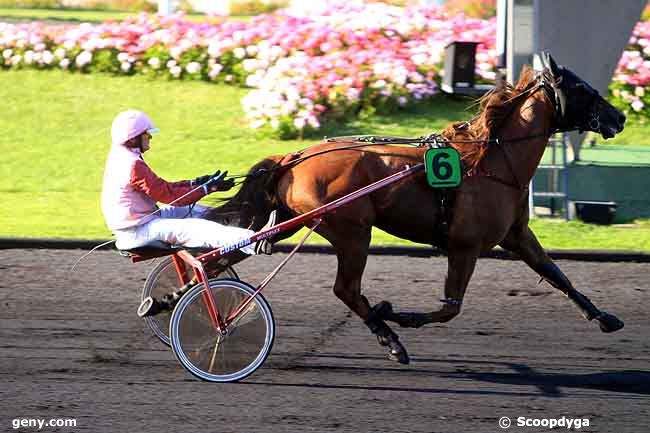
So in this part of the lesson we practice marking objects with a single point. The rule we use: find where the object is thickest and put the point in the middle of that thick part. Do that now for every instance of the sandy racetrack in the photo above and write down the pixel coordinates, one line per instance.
(72, 347)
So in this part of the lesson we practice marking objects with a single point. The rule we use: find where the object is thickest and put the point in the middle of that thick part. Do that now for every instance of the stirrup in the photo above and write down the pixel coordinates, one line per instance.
(151, 306)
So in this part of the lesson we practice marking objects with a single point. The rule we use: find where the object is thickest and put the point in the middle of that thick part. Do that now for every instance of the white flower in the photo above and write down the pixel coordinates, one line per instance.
(402, 100)
(352, 94)
(123, 57)
(253, 80)
(60, 53)
(639, 91)
(125, 66)
(68, 44)
(176, 71)
(420, 58)
(313, 122)
(83, 59)
(239, 52)
(251, 50)
(7, 53)
(637, 105)
(29, 57)
(214, 49)
(64, 63)
(154, 62)
(299, 122)
(175, 52)
(171, 64)
(250, 65)
(16, 59)
(193, 68)
(214, 71)
(48, 57)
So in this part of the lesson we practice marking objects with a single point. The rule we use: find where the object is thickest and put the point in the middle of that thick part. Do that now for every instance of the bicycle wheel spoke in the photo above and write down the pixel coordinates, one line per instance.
(214, 353)
(228, 357)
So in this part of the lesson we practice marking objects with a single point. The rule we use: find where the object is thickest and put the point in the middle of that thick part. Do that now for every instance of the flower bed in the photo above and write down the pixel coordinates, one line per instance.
(629, 87)
(304, 67)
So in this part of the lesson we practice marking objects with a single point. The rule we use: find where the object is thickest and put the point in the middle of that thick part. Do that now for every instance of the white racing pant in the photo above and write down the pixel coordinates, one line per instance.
(182, 225)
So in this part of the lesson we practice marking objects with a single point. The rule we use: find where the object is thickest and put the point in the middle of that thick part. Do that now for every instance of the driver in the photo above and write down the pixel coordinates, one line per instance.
(131, 191)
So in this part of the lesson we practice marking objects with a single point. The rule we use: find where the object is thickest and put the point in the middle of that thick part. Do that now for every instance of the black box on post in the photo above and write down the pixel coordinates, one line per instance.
(460, 61)
(597, 212)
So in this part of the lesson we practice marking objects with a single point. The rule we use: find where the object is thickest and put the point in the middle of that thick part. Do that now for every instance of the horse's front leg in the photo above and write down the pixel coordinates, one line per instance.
(522, 241)
(352, 253)
(461, 263)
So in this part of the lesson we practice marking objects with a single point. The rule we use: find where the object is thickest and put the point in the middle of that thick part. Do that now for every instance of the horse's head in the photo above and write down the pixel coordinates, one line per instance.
(578, 105)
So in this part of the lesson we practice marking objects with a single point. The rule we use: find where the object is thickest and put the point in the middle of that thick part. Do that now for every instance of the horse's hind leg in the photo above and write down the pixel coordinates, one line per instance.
(461, 263)
(522, 241)
(352, 253)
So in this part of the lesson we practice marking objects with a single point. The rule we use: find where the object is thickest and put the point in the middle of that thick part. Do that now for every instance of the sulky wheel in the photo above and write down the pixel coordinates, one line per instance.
(208, 354)
(163, 280)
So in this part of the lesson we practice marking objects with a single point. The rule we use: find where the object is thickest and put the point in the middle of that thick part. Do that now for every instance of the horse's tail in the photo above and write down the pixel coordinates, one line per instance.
(256, 198)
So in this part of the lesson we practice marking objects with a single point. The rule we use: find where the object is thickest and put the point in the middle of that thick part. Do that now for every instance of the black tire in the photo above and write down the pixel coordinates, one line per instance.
(206, 353)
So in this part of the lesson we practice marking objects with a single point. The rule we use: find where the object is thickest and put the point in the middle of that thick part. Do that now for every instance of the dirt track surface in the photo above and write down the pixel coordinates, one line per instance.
(72, 347)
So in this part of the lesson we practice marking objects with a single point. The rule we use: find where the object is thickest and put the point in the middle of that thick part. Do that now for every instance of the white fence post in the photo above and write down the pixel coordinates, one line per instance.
(165, 7)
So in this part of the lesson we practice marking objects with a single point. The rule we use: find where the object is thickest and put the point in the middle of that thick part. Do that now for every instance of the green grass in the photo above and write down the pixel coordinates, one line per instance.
(82, 15)
(75, 15)
(56, 133)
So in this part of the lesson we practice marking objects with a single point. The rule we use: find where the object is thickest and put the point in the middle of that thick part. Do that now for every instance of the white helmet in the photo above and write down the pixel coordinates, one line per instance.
(129, 124)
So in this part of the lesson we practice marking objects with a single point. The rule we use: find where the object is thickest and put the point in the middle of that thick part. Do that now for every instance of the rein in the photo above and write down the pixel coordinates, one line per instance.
(544, 81)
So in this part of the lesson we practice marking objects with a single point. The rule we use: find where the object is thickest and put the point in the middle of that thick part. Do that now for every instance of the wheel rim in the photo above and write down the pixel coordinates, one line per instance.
(163, 280)
(206, 353)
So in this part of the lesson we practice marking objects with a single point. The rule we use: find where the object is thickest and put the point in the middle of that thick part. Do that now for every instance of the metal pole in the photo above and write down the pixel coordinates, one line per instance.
(565, 176)
(165, 7)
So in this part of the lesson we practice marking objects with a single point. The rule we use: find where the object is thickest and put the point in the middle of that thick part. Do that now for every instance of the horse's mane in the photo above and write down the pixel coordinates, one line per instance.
(495, 107)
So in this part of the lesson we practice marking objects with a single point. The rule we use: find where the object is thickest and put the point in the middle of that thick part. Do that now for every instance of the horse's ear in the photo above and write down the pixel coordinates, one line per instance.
(539, 63)
(551, 63)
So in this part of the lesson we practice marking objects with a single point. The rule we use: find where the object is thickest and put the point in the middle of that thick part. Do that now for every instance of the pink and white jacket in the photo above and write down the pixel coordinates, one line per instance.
(131, 190)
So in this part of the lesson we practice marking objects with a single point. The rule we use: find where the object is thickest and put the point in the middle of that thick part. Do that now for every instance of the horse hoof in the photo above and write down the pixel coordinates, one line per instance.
(400, 356)
(609, 323)
(398, 353)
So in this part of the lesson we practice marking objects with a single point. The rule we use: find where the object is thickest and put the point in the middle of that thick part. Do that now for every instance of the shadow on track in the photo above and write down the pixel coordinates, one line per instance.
(548, 384)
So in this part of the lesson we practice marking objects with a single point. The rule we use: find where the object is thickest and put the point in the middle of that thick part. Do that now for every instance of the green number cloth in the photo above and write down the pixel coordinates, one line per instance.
(442, 167)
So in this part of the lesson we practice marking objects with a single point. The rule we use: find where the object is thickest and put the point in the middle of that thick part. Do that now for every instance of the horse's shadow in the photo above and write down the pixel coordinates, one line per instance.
(549, 384)
(522, 375)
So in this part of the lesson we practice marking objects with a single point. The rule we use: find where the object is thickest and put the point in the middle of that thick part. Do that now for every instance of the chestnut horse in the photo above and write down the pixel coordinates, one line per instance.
(500, 150)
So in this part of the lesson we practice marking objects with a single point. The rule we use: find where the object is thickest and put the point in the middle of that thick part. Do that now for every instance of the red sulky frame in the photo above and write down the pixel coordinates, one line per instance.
(312, 218)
